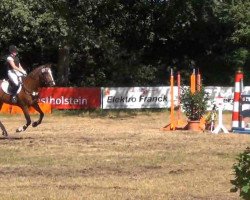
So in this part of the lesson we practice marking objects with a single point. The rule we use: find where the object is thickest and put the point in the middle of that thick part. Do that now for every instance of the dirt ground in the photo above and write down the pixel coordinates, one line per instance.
(115, 157)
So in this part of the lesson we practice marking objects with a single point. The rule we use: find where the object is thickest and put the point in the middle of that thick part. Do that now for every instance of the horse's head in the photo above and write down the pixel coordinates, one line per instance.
(46, 76)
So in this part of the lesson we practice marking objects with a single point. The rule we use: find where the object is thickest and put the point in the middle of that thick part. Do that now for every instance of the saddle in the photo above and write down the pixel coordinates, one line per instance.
(8, 88)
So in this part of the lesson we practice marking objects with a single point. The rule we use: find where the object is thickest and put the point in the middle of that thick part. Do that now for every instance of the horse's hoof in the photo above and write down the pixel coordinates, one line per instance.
(5, 134)
(34, 124)
(23, 128)
(20, 129)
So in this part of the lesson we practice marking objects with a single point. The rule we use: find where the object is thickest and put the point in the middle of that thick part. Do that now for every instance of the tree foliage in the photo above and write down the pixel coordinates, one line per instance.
(241, 170)
(128, 42)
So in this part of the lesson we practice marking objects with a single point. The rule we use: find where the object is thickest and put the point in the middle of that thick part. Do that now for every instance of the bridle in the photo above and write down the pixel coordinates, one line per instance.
(46, 71)
(42, 76)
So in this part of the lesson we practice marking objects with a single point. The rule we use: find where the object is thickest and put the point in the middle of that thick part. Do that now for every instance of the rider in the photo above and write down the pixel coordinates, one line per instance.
(15, 70)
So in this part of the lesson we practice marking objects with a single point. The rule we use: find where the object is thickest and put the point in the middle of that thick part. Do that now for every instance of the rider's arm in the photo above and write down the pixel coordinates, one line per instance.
(22, 69)
(13, 65)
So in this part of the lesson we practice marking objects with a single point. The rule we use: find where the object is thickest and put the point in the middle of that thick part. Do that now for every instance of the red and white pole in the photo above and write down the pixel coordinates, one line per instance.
(236, 115)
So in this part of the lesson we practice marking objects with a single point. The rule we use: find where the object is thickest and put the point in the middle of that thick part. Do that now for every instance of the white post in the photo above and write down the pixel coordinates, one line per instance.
(220, 126)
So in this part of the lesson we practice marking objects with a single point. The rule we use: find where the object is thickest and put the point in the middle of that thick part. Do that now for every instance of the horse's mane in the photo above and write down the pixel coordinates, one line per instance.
(39, 68)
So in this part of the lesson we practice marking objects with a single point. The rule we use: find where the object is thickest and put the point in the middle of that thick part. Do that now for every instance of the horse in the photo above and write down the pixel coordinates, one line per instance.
(27, 94)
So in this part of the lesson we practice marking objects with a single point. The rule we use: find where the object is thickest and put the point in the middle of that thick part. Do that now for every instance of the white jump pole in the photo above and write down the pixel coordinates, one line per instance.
(220, 126)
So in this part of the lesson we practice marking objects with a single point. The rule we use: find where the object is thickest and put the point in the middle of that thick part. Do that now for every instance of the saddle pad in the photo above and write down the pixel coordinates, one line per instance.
(5, 87)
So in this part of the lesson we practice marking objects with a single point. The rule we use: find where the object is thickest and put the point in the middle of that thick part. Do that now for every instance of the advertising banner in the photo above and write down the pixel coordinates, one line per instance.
(135, 97)
(129, 97)
(227, 93)
(71, 98)
(159, 97)
(246, 107)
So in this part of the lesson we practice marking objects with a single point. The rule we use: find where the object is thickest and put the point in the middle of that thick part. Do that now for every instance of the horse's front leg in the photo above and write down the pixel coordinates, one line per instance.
(38, 109)
(25, 110)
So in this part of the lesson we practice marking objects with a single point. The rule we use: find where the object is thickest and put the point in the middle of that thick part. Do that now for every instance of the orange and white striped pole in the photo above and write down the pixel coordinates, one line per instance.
(172, 125)
(198, 80)
(172, 118)
(236, 115)
(179, 93)
(193, 82)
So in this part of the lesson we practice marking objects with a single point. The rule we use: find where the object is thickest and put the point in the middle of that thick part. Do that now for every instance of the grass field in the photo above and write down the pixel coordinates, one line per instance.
(115, 157)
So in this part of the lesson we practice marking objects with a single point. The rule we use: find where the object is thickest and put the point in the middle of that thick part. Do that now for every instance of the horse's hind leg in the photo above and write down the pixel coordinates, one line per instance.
(4, 132)
(3, 129)
(25, 110)
(38, 109)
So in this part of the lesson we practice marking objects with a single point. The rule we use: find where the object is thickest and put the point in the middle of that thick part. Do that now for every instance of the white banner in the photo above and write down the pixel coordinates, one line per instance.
(246, 107)
(159, 97)
(135, 97)
(226, 92)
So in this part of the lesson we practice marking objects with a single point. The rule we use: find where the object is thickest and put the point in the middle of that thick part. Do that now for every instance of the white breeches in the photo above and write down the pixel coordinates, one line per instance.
(15, 76)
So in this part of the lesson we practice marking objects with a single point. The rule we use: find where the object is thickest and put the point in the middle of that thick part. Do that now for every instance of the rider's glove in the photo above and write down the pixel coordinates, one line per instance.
(24, 72)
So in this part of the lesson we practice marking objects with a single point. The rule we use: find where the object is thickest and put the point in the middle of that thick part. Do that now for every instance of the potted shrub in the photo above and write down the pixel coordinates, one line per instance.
(194, 106)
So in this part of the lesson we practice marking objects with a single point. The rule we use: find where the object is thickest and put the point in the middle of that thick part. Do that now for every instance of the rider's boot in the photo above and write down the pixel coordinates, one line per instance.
(14, 94)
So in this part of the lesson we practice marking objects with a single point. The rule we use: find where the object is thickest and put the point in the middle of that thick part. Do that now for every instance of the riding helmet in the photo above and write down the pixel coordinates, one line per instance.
(12, 48)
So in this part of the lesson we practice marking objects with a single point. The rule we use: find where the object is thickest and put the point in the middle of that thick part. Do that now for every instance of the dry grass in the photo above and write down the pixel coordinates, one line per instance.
(128, 157)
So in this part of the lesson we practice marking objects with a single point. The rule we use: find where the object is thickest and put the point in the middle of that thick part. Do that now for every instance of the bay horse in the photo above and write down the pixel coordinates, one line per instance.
(27, 94)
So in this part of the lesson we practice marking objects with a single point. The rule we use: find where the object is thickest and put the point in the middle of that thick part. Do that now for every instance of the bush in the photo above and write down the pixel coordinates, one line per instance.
(242, 175)
(194, 104)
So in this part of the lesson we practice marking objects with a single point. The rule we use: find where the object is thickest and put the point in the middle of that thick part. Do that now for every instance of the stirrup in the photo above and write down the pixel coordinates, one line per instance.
(14, 99)
(34, 94)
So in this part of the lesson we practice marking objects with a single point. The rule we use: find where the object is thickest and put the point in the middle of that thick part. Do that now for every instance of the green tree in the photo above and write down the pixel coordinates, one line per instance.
(236, 15)
(34, 27)
(123, 43)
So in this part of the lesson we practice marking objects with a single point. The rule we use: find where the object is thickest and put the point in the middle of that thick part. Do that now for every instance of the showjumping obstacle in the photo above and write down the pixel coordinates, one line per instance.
(238, 124)
(195, 84)
(220, 127)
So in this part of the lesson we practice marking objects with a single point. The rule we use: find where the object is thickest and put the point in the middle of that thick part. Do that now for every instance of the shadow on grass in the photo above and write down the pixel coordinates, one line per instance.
(15, 138)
